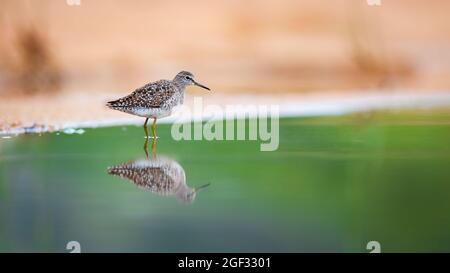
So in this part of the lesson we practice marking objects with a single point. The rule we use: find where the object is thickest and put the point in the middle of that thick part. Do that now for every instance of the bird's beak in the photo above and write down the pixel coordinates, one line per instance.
(197, 189)
(201, 85)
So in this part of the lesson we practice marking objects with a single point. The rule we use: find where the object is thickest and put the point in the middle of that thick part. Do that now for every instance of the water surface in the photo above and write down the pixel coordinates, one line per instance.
(334, 184)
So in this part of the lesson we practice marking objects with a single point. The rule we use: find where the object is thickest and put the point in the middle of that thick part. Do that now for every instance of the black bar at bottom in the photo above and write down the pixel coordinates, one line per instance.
(219, 262)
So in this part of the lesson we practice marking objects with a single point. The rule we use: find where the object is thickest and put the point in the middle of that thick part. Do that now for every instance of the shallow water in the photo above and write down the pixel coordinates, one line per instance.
(334, 184)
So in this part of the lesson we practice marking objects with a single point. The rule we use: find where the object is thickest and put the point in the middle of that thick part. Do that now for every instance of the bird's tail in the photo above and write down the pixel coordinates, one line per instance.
(111, 104)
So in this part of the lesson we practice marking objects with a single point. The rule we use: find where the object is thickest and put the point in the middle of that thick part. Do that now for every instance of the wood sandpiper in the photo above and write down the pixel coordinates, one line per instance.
(156, 99)
(160, 175)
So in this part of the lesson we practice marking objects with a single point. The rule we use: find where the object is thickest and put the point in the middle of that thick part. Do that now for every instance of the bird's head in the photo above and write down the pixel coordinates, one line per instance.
(185, 78)
(187, 195)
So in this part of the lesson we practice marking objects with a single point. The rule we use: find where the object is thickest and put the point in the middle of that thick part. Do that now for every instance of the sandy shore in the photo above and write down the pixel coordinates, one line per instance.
(43, 113)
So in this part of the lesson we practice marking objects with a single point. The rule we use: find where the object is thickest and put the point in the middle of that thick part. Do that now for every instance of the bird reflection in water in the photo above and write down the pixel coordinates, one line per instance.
(160, 175)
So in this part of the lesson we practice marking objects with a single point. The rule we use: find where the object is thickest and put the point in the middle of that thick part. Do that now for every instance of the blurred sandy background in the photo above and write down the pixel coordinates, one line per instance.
(56, 56)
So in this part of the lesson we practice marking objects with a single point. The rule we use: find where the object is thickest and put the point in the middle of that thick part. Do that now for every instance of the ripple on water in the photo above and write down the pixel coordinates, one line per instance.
(71, 131)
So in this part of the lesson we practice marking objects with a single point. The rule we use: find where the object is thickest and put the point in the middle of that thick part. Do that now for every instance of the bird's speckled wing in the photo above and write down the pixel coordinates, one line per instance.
(150, 95)
(154, 179)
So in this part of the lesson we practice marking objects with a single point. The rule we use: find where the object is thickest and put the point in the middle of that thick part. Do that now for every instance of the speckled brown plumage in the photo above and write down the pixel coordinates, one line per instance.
(154, 175)
(151, 95)
(160, 175)
(156, 99)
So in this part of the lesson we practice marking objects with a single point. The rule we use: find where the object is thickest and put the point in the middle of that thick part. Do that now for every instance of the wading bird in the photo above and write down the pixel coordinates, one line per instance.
(156, 99)
(160, 175)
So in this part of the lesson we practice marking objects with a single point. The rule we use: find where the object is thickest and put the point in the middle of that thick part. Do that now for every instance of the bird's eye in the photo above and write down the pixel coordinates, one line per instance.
(188, 78)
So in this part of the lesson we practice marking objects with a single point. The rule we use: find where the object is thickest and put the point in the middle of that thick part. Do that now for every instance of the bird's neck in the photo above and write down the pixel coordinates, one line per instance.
(180, 86)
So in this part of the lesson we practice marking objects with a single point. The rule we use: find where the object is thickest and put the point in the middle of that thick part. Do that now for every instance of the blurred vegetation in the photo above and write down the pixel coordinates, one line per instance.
(28, 64)
(37, 71)
(263, 46)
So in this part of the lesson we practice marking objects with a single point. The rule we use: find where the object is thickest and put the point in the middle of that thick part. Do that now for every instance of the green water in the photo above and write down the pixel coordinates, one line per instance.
(334, 184)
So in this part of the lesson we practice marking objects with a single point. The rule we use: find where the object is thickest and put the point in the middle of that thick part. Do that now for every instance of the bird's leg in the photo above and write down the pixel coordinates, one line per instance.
(154, 128)
(145, 147)
(145, 128)
(153, 148)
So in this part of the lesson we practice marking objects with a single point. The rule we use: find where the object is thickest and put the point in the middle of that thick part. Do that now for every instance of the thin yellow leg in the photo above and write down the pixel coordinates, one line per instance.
(145, 147)
(145, 128)
(153, 148)
(154, 128)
